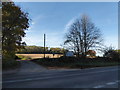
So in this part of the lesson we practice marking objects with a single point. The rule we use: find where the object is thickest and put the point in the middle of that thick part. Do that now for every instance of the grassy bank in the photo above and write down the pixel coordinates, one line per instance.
(10, 64)
(73, 62)
(6, 65)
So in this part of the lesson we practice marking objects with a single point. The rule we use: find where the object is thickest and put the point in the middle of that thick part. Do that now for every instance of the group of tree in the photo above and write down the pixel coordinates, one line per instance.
(110, 52)
(40, 50)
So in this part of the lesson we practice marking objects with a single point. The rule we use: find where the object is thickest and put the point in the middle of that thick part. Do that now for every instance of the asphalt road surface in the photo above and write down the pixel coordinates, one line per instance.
(105, 77)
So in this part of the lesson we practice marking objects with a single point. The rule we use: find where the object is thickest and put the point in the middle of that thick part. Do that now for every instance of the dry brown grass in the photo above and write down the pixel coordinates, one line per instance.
(34, 56)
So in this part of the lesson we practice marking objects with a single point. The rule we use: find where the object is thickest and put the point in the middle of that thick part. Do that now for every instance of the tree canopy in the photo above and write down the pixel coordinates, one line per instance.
(40, 50)
(14, 23)
(82, 35)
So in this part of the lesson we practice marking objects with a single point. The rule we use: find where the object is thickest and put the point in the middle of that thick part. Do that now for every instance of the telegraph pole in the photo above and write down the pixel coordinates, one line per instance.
(44, 45)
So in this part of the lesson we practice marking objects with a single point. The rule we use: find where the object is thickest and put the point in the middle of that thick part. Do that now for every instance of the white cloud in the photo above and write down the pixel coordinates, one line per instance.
(37, 18)
(52, 39)
(33, 23)
(69, 24)
(31, 40)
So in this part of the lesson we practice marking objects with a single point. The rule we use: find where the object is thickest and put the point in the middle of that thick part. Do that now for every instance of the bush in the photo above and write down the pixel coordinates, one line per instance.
(10, 64)
(111, 53)
(74, 62)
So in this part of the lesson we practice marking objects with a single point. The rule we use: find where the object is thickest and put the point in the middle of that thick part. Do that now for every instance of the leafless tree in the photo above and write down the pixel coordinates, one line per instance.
(82, 36)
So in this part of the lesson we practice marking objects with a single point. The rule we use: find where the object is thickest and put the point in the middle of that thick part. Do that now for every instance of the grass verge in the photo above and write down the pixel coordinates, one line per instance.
(24, 57)
(10, 64)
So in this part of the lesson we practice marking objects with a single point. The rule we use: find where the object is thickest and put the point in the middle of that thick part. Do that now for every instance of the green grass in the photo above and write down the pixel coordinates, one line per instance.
(24, 57)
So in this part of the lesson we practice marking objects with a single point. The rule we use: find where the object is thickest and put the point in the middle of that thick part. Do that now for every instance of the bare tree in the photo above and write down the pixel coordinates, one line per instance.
(82, 36)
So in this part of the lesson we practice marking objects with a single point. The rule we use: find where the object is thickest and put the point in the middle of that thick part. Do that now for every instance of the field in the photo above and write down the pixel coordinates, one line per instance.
(35, 56)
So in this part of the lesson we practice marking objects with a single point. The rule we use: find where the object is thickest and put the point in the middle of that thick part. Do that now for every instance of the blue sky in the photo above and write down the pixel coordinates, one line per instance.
(52, 19)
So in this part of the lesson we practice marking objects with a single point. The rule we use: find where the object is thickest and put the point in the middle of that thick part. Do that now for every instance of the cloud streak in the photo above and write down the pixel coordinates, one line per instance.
(52, 39)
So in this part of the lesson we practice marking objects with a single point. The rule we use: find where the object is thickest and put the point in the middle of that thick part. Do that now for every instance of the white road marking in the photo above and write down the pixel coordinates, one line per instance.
(57, 76)
(99, 86)
(117, 81)
(111, 83)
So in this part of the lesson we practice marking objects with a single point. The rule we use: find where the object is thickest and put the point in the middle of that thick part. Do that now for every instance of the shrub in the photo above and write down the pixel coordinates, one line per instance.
(111, 53)
(10, 64)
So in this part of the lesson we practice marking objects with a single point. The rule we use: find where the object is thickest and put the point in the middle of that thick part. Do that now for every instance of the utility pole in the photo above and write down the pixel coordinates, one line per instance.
(44, 45)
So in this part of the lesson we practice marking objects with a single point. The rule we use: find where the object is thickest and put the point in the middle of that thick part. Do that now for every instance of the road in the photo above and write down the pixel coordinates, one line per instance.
(103, 77)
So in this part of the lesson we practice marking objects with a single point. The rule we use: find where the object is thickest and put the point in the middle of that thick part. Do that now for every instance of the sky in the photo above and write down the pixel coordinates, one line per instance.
(53, 18)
